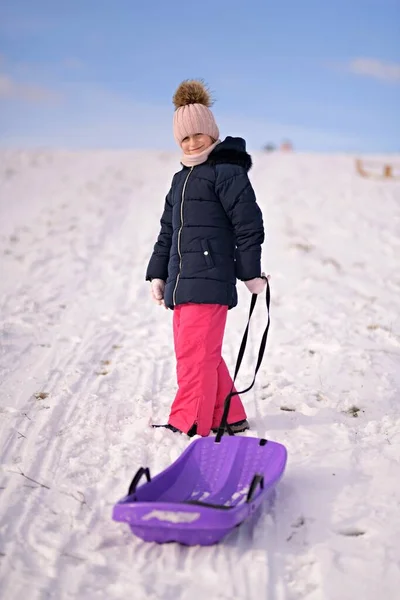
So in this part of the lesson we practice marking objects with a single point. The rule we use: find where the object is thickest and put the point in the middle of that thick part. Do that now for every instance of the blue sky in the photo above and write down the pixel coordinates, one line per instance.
(92, 73)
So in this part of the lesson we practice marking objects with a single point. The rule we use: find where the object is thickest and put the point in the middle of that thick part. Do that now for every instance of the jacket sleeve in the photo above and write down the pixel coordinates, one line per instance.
(158, 265)
(239, 201)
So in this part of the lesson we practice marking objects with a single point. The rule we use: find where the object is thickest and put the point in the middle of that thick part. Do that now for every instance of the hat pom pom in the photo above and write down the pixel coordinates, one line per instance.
(192, 91)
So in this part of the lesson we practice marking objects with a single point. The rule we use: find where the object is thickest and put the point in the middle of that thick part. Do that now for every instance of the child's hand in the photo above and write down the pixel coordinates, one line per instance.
(258, 284)
(157, 290)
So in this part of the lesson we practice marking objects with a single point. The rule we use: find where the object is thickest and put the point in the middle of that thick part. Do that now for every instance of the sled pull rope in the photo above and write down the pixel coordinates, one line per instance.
(224, 426)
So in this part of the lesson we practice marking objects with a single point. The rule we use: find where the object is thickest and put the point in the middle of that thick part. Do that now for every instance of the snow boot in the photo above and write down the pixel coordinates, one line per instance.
(192, 431)
(237, 427)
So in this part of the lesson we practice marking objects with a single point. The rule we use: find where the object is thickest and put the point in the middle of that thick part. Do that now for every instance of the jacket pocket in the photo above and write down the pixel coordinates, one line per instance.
(208, 258)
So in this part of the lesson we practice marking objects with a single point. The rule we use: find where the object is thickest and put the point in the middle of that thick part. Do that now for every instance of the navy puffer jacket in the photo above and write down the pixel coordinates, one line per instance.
(211, 230)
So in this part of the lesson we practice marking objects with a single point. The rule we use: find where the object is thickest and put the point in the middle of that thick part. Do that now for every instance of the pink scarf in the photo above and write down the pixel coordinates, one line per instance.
(192, 160)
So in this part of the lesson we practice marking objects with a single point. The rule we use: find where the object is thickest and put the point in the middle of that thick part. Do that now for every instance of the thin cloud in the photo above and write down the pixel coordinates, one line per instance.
(376, 69)
(10, 89)
(94, 117)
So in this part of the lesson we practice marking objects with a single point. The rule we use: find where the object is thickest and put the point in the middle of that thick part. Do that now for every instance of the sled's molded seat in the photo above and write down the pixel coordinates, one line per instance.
(210, 489)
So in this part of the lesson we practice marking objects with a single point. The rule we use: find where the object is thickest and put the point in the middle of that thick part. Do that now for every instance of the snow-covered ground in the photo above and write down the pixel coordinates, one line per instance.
(86, 364)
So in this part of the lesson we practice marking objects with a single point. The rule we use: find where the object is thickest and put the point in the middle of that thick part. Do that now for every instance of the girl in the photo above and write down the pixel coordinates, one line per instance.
(211, 234)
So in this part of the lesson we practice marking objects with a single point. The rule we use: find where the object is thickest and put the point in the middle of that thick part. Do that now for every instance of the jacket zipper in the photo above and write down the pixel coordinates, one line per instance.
(179, 236)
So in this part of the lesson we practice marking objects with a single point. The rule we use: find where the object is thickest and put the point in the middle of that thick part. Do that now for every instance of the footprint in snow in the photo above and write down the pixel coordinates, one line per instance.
(351, 532)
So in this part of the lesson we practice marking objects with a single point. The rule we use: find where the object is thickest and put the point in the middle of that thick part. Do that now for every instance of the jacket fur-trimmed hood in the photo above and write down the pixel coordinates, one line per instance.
(232, 151)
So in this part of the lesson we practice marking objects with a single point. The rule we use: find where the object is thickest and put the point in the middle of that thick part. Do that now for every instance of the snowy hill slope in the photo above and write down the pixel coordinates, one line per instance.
(86, 364)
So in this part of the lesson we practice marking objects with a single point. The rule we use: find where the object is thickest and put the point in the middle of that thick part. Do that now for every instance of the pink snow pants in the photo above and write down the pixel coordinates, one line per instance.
(203, 377)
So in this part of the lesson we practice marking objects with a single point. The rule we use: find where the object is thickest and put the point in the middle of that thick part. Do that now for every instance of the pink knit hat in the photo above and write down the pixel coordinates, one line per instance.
(192, 113)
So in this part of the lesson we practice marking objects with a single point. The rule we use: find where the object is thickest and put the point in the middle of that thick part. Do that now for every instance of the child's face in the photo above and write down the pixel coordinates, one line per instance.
(194, 144)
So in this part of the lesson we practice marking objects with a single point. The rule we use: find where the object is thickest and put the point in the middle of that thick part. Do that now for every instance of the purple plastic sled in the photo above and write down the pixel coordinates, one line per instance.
(210, 489)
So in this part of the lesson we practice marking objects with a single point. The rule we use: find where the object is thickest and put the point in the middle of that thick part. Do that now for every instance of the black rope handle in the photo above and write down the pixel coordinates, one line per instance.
(224, 426)
(142, 471)
(257, 480)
